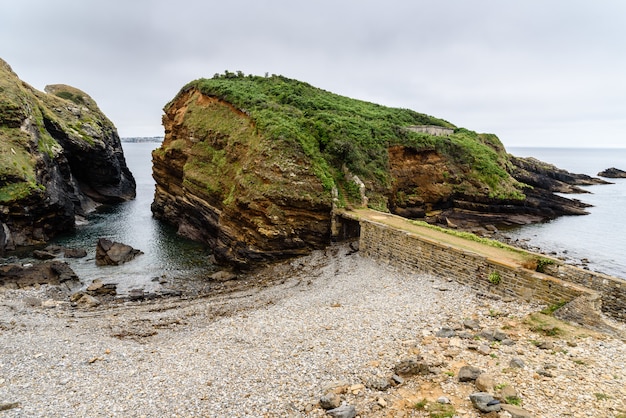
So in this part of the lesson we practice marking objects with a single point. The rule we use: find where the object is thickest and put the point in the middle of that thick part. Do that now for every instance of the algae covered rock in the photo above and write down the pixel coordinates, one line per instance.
(61, 157)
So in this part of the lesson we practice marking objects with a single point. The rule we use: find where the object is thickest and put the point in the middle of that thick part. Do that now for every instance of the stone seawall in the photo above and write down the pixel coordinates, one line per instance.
(611, 289)
(560, 283)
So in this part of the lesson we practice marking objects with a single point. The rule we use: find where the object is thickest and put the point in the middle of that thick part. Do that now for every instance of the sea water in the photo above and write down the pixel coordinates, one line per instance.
(166, 255)
(596, 240)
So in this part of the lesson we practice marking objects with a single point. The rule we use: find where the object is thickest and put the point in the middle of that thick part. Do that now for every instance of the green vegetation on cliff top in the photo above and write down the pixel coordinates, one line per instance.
(336, 132)
(26, 115)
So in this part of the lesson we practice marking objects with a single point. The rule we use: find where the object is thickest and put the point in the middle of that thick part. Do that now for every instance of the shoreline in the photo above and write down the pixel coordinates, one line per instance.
(329, 321)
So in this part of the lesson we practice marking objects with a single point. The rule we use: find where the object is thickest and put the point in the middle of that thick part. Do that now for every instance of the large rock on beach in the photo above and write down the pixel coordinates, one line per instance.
(60, 158)
(15, 276)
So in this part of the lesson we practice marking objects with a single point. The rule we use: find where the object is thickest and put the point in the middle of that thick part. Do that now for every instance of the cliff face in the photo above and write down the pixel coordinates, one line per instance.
(61, 157)
(222, 183)
(254, 166)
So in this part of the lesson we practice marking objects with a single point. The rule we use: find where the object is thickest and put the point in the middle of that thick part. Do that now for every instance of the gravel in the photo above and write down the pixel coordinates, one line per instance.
(329, 320)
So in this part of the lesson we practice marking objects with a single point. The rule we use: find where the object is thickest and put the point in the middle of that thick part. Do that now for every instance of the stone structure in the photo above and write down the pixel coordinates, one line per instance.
(431, 130)
(560, 282)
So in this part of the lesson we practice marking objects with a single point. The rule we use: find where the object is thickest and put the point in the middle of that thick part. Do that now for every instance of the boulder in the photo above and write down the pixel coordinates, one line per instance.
(110, 253)
(412, 367)
(97, 287)
(223, 276)
(87, 301)
(49, 272)
(613, 173)
(485, 383)
(74, 253)
(469, 373)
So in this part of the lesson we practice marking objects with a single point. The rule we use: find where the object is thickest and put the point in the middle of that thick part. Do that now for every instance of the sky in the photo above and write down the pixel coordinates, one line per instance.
(548, 73)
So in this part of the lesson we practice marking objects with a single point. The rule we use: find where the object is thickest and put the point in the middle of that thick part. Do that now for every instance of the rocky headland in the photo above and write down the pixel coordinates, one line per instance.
(61, 158)
(254, 166)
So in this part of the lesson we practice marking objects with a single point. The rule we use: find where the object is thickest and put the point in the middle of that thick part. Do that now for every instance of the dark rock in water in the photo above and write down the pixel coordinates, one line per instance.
(43, 255)
(110, 253)
(74, 253)
(613, 173)
(14, 276)
(54, 249)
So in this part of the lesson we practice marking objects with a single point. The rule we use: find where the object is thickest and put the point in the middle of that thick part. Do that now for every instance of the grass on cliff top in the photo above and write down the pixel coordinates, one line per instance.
(336, 131)
(64, 108)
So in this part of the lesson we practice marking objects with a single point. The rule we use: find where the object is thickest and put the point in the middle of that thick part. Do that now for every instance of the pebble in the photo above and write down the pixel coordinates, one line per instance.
(276, 350)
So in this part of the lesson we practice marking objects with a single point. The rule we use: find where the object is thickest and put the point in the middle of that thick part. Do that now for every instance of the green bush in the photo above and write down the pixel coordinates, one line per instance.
(495, 278)
(335, 132)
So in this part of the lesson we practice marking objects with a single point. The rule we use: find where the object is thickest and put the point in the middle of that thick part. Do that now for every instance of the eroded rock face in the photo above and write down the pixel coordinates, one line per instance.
(255, 180)
(61, 157)
(252, 201)
(427, 185)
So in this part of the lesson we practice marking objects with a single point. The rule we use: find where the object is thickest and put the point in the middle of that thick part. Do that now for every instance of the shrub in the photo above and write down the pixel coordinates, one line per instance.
(494, 278)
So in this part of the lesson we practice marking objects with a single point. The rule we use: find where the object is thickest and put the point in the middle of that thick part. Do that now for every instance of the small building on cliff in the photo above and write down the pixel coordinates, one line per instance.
(431, 130)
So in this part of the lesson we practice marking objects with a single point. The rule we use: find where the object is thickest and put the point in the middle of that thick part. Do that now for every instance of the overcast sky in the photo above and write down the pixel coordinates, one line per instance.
(534, 72)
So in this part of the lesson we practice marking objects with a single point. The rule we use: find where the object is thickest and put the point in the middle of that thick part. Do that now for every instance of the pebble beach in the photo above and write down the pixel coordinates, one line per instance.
(272, 344)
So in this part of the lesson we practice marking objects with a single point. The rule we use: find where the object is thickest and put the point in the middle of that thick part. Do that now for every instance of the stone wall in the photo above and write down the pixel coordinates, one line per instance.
(611, 289)
(431, 130)
(561, 283)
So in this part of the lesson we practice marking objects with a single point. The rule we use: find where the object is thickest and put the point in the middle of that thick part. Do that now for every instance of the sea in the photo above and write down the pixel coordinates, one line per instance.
(596, 241)
(167, 258)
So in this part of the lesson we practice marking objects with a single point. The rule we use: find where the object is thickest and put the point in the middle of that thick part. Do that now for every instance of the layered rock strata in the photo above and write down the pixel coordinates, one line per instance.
(251, 201)
(61, 157)
(254, 167)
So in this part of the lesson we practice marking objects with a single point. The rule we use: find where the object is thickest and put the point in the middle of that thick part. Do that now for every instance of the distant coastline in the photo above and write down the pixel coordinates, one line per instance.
(158, 139)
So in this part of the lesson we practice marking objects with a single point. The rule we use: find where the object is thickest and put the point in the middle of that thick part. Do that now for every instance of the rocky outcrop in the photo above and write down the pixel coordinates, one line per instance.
(613, 173)
(61, 157)
(109, 253)
(428, 185)
(254, 166)
(251, 201)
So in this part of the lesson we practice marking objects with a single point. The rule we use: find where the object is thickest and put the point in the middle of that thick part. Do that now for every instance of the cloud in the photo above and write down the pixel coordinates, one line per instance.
(521, 70)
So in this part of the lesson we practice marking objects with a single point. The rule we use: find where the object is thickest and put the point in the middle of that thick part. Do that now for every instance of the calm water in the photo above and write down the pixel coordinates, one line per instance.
(599, 237)
(166, 255)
